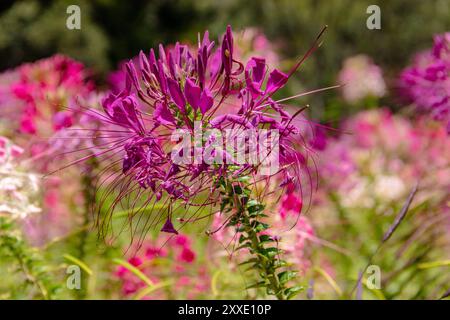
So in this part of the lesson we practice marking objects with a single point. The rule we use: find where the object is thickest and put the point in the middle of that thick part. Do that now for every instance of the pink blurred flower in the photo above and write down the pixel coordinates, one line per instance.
(291, 203)
(173, 260)
(46, 94)
(187, 255)
(383, 154)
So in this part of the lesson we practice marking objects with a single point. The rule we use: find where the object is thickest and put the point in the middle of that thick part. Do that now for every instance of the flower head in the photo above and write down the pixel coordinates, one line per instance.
(167, 101)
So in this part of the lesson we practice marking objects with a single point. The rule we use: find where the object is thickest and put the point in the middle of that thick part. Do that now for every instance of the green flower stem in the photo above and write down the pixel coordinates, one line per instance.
(246, 216)
(266, 266)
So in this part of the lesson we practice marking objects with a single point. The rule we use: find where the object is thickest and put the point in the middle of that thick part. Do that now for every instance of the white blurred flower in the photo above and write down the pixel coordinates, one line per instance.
(389, 188)
(357, 195)
(361, 78)
(19, 190)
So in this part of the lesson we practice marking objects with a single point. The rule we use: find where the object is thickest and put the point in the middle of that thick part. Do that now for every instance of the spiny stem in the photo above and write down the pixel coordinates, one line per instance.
(246, 217)
(268, 271)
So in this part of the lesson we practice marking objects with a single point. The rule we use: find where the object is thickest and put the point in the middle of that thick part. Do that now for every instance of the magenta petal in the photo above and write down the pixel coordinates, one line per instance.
(62, 119)
(255, 72)
(176, 94)
(192, 93)
(130, 109)
(277, 79)
(227, 51)
(123, 110)
(162, 114)
(168, 227)
(132, 74)
(206, 101)
(27, 125)
(258, 68)
(107, 103)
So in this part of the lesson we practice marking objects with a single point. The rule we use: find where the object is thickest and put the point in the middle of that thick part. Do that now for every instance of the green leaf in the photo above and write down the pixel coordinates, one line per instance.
(252, 203)
(135, 271)
(269, 252)
(254, 266)
(244, 179)
(293, 291)
(223, 204)
(260, 226)
(237, 190)
(255, 209)
(245, 245)
(78, 262)
(260, 284)
(252, 260)
(285, 276)
(280, 264)
(270, 291)
(265, 238)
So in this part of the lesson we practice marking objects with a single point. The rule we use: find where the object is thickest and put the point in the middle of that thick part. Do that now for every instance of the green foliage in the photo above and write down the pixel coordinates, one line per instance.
(31, 30)
(265, 256)
(116, 30)
(410, 261)
(26, 273)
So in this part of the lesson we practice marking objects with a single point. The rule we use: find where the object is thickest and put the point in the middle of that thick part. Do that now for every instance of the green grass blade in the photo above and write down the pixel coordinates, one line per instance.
(78, 262)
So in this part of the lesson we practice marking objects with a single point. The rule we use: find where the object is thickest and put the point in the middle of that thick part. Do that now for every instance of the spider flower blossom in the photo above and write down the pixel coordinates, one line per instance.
(44, 97)
(179, 90)
(249, 42)
(426, 83)
(39, 102)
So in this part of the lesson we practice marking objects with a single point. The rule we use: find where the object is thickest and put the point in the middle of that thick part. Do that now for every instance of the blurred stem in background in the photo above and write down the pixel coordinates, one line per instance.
(89, 191)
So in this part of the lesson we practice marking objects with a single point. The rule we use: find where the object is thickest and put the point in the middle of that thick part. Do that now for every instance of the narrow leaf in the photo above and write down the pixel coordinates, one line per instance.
(134, 270)
(78, 262)
(401, 215)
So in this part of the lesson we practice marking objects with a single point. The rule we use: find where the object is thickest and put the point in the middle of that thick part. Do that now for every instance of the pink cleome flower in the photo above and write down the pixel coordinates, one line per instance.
(426, 83)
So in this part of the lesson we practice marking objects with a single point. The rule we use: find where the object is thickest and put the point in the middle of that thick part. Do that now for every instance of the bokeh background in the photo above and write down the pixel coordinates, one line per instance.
(116, 30)
(370, 151)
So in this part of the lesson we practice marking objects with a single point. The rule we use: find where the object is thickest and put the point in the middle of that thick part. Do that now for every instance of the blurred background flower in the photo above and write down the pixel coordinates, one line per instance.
(361, 78)
(426, 83)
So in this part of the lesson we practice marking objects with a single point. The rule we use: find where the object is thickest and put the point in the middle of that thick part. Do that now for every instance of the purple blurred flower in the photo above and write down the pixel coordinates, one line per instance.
(426, 83)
